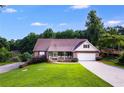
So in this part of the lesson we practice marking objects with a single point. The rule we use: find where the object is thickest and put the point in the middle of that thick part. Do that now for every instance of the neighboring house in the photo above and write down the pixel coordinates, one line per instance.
(65, 49)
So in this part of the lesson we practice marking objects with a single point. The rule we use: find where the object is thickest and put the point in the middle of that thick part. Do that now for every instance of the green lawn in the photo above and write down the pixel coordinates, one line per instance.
(52, 75)
(111, 61)
(4, 63)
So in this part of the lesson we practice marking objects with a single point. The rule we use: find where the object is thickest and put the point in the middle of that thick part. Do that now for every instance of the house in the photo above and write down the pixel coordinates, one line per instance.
(65, 49)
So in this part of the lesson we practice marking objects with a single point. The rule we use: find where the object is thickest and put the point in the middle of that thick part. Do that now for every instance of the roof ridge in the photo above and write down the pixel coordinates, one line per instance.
(63, 38)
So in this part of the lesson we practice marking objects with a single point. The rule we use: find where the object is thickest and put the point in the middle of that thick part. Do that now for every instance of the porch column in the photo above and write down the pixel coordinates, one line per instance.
(38, 53)
(46, 53)
(64, 55)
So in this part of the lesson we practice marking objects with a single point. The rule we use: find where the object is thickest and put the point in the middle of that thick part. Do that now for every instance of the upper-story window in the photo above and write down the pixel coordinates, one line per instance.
(86, 46)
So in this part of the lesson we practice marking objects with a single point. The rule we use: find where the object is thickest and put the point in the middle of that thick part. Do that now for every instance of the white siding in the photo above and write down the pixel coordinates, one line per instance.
(91, 48)
(82, 55)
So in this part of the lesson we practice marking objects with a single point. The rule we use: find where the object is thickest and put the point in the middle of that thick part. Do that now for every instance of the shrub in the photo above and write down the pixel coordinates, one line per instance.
(25, 56)
(24, 65)
(4, 54)
(98, 58)
(75, 60)
(15, 59)
(38, 60)
(34, 61)
(121, 59)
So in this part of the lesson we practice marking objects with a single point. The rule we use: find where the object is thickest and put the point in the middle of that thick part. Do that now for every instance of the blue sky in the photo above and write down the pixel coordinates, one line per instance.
(18, 21)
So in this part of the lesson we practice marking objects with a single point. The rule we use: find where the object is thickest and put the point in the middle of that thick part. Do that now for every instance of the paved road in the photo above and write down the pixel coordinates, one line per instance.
(113, 75)
(8, 67)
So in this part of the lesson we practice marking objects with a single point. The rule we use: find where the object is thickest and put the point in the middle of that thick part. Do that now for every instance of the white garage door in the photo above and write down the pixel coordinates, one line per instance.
(86, 56)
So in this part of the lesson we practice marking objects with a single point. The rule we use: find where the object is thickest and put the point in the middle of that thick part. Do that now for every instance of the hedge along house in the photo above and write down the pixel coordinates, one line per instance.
(65, 49)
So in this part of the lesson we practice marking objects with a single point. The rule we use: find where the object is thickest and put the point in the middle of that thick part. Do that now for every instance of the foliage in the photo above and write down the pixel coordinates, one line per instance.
(12, 45)
(111, 35)
(33, 61)
(120, 29)
(69, 33)
(94, 27)
(48, 33)
(3, 43)
(75, 60)
(112, 61)
(4, 54)
(15, 59)
(121, 59)
(27, 43)
(25, 56)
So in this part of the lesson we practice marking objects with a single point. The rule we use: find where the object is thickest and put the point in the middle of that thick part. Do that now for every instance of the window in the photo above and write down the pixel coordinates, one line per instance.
(60, 53)
(50, 54)
(55, 54)
(69, 53)
(86, 46)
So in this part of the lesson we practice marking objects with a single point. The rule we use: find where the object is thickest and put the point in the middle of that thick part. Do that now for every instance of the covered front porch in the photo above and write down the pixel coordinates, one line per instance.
(60, 56)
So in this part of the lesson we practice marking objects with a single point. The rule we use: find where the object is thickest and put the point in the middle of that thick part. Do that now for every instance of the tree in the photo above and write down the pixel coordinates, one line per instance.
(112, 39)
(69, 33)
(120, 29)
(25, 56)
(3, 43)
(4, 54)
(112, 30)
(79, 34)
(48, 33)
(58, 35)
(121, 59)
(94, 27)
(12, 45)
(28, 42)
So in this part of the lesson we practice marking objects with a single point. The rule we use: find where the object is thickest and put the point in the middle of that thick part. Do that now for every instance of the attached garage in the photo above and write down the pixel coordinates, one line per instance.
(86, 56)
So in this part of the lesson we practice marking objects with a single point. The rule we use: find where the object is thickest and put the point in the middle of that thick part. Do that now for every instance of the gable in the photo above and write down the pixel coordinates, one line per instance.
(81, 47)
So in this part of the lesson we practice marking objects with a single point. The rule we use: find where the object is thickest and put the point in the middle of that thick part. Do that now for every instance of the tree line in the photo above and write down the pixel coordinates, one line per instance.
(100, 36)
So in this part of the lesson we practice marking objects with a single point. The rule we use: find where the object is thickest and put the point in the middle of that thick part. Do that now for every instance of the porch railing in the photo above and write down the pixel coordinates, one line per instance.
(60, 58)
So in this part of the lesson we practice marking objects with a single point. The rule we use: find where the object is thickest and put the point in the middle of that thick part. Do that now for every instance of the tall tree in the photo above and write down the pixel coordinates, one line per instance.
(94, 27)
(48, 33)
(28, 42)
(3, 43)
(120, 29)
(69, 33)
(112, 39)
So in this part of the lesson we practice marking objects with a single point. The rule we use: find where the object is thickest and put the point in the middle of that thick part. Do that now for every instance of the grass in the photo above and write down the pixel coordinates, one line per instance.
(111, 61)
(5, 63)
(52, 75)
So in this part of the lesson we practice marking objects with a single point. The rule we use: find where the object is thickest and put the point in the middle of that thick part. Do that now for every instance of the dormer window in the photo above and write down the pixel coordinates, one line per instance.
(86, 46)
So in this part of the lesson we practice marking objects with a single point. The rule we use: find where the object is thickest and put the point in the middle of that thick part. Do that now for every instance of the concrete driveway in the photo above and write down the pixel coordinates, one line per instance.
(8, 67)
(113, 75)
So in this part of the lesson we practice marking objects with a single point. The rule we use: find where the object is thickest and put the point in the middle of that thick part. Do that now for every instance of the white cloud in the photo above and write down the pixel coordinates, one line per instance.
(38, 24)
(79, 6)
(63, 24)
(113, 22)
(9, 10)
